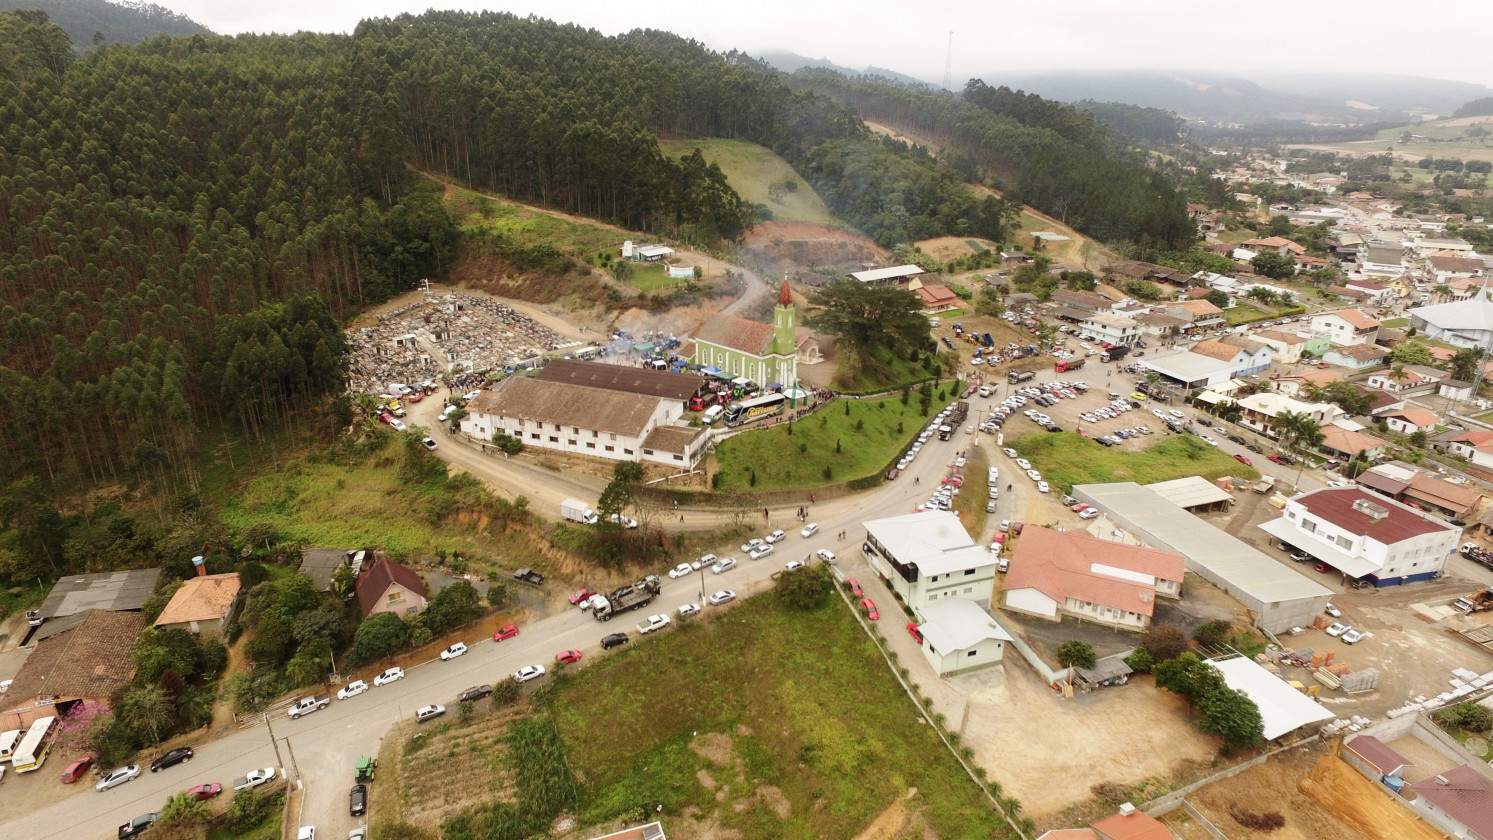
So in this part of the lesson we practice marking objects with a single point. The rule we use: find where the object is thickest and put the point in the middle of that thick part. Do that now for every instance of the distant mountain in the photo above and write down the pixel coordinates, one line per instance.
(128, 22)
(787, 62)
(1212, 97)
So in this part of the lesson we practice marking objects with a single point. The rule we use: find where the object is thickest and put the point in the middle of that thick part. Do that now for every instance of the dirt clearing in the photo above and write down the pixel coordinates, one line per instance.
(791, 246)
(1320, 796)
(946, 248)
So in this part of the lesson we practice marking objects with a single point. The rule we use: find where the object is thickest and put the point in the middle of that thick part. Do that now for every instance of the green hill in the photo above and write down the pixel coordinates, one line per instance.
(125, 22)
(761, 177)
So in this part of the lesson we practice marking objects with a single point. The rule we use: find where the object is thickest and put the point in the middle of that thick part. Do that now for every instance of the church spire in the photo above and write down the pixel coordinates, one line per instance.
(785, 298)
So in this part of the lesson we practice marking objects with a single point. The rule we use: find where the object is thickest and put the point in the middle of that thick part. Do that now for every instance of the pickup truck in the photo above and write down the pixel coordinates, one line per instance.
(307, 705)
(254, 778)
(529, 576)
(654, 622)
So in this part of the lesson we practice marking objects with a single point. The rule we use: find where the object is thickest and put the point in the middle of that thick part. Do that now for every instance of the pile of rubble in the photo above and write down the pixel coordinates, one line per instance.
(438, 336)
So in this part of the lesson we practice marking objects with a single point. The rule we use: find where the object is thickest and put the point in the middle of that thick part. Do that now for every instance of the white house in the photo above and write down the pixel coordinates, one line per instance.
(927, 557)
(1115, 329)
(1408, 421)
(1365, 535)
(1413, 379)
(1346, 327)
(1058, 573)
(1259, 410)
(583, 420)
(959, 636)
(1288, 346)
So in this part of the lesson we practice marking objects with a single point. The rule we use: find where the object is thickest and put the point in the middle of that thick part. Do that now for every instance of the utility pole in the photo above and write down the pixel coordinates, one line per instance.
(278, 761)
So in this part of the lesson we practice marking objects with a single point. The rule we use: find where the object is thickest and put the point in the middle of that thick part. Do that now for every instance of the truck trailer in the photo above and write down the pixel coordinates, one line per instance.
(625, 599)
(575, 510)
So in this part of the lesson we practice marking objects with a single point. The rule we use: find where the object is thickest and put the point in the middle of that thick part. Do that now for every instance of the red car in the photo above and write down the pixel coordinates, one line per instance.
(1079, 508)
(1275, 458)
(870, 607)
(912, 630)
(1000, 537)
(76, 770)
(506, 633)
(1322, 568)
(1243, 460)
(580, 595)
(207, 791)
(568, 656)
(414, 397)
(855, 587)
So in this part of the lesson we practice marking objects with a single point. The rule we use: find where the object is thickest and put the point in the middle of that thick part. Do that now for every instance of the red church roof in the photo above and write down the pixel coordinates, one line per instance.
(785, 298)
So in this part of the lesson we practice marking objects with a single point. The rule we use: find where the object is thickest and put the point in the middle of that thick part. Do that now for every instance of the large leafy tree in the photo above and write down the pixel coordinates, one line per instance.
(1232, 716)
(1190, 676)
(864, 317)
(378, 636)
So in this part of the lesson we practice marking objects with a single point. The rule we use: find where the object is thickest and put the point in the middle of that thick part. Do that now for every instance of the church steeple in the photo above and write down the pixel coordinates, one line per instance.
(784, 323)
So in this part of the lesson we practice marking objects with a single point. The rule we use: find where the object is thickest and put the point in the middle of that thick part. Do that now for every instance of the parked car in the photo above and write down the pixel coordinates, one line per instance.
(809, 530)
(429, 444)
(855, 586)
(254, 778)
(454, 651)
(76, 770)
(568, 657)
(722, 597)
(581, 595)
(430, 712)
(760, 551)
(681, 570)
(392, 675)
(180, 755)
(529, 672)
(613, 640)
(1243, 460)
(508, 632)
(1332, 611)
(1353, 637)
(775, 536)
(793, 564)
(870, 607)
(351, 690)
(357, 801)
(723, 565)
(914, 632)
(826, 555)
(688, 609)
(115, 778)
(1336, 628)
(137, 825)
(205, 791)
(473, 694)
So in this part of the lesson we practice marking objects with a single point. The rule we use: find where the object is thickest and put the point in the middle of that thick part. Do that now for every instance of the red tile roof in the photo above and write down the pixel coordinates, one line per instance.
(201, 599)
(1068, 564)
(1335, 505)
(1215, 350)
(736, 333)
(1362, 352)
(1418, 416)
(1137, 826)
(1354, 317)
(937, 296)
(373, 583)
(1343, 440)
(1377, 754)
(1467, 796)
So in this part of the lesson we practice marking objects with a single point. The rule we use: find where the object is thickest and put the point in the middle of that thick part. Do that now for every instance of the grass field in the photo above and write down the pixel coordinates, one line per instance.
(1066, 459)
(1451, 139)
(524, 226)
(772, 723)
(751, 170)
(828, 446)
(358, 497)
(973, 495)
(1243, 313)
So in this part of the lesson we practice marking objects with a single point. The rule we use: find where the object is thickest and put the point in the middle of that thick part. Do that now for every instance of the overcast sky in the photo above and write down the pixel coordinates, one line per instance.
(1447, 39)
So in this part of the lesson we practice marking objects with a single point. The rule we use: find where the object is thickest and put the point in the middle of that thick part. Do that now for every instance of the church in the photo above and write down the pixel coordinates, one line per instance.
(764, 353)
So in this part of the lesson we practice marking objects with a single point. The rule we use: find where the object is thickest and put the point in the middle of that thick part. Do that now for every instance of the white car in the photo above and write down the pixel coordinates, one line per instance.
(398, 425)
(625, 521)
(1175, 413)
(352, 689)
(960, 462)
(1042, 487)
(425, 713)
(118, 777)
(1336, 628)
(1332, 611)
(1004, 526)
(454, 651)
(775, 536)
(429, 444)
(793, 564)
(723, 565)
(760, 551)
(255, 778)
(529, 672)
(809, 530)
(688, 609)
(446, 412)
(1208, 440)
(680, 571)
(722, 597)
(1023, 463)
(1353, 637)
(1010, 453)
(826, 555)
(307, 832)
(1034, 475)
(751, 544)
(391, 675)
(1089, 513)
(653, 622)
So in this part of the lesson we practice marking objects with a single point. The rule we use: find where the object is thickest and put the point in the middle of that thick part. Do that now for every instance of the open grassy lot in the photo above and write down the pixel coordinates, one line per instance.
(1243, 313)
(844, 440)
(751, 170)
(1066, 459)
(524, 226)
(359, 495)
(765, 721)
(1453, 138)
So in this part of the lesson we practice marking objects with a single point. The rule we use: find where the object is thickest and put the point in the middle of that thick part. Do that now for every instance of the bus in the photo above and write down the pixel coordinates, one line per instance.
(755, 409)
(34, 746)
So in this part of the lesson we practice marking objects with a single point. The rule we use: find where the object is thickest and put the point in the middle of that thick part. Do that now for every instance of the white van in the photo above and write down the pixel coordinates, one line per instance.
(712, 414)
(8, 743)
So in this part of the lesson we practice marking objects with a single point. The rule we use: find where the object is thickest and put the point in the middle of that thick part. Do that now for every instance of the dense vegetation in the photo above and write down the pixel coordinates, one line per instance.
(92, 22)
(1057, 158)
(1476, 108)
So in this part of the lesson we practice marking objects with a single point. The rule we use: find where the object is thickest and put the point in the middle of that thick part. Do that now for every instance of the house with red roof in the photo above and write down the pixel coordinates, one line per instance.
(1346, 327)
(1058, 573)
(1476, 445)
(764, 353)
(1278, 244)
(390, 587)
(1128, 824)
(1458, 801)
(1366, 536)
(1408, 421)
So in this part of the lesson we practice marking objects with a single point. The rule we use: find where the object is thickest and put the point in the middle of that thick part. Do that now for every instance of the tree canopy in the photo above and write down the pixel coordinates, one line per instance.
(865, 316)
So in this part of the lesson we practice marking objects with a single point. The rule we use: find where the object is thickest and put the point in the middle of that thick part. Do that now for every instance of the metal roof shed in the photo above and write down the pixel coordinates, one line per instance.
(1279, 597)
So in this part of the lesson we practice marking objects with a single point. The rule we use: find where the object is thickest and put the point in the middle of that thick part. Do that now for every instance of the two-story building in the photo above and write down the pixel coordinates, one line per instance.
(1112, 328)
(1288, 346)
(1243, 357)
(1412, 379)
(1346, 327)
(1259, 410)
(1408, 421)
(1446, 269)
(1366, 536)
(1476, 445)
(1199, 314)
(926, 557)
(1070, 573)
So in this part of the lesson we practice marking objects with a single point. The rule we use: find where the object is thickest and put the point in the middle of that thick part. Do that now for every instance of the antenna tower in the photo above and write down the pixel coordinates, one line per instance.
(948, 64)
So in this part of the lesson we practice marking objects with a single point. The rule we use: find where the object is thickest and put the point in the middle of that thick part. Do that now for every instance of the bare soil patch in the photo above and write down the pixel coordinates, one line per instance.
(900, 134)
(794, 246)
(715, 747)
(946, 248)
(1320, 796)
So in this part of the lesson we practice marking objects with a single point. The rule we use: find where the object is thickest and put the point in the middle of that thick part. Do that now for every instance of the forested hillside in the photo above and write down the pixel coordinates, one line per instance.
(1057, 158)
(88, 22)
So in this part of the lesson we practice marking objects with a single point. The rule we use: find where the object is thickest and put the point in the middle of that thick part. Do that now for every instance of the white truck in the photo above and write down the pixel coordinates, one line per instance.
(575, 510)
(307, 705)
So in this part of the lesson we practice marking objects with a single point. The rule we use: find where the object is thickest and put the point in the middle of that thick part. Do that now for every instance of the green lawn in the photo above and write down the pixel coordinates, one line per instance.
(799, 701)
(358, 497)
(1066, 459)
(650, 277)
(750, 170)
(847, 445)
(524, 226)
(1243, 313)
(1395, 323)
